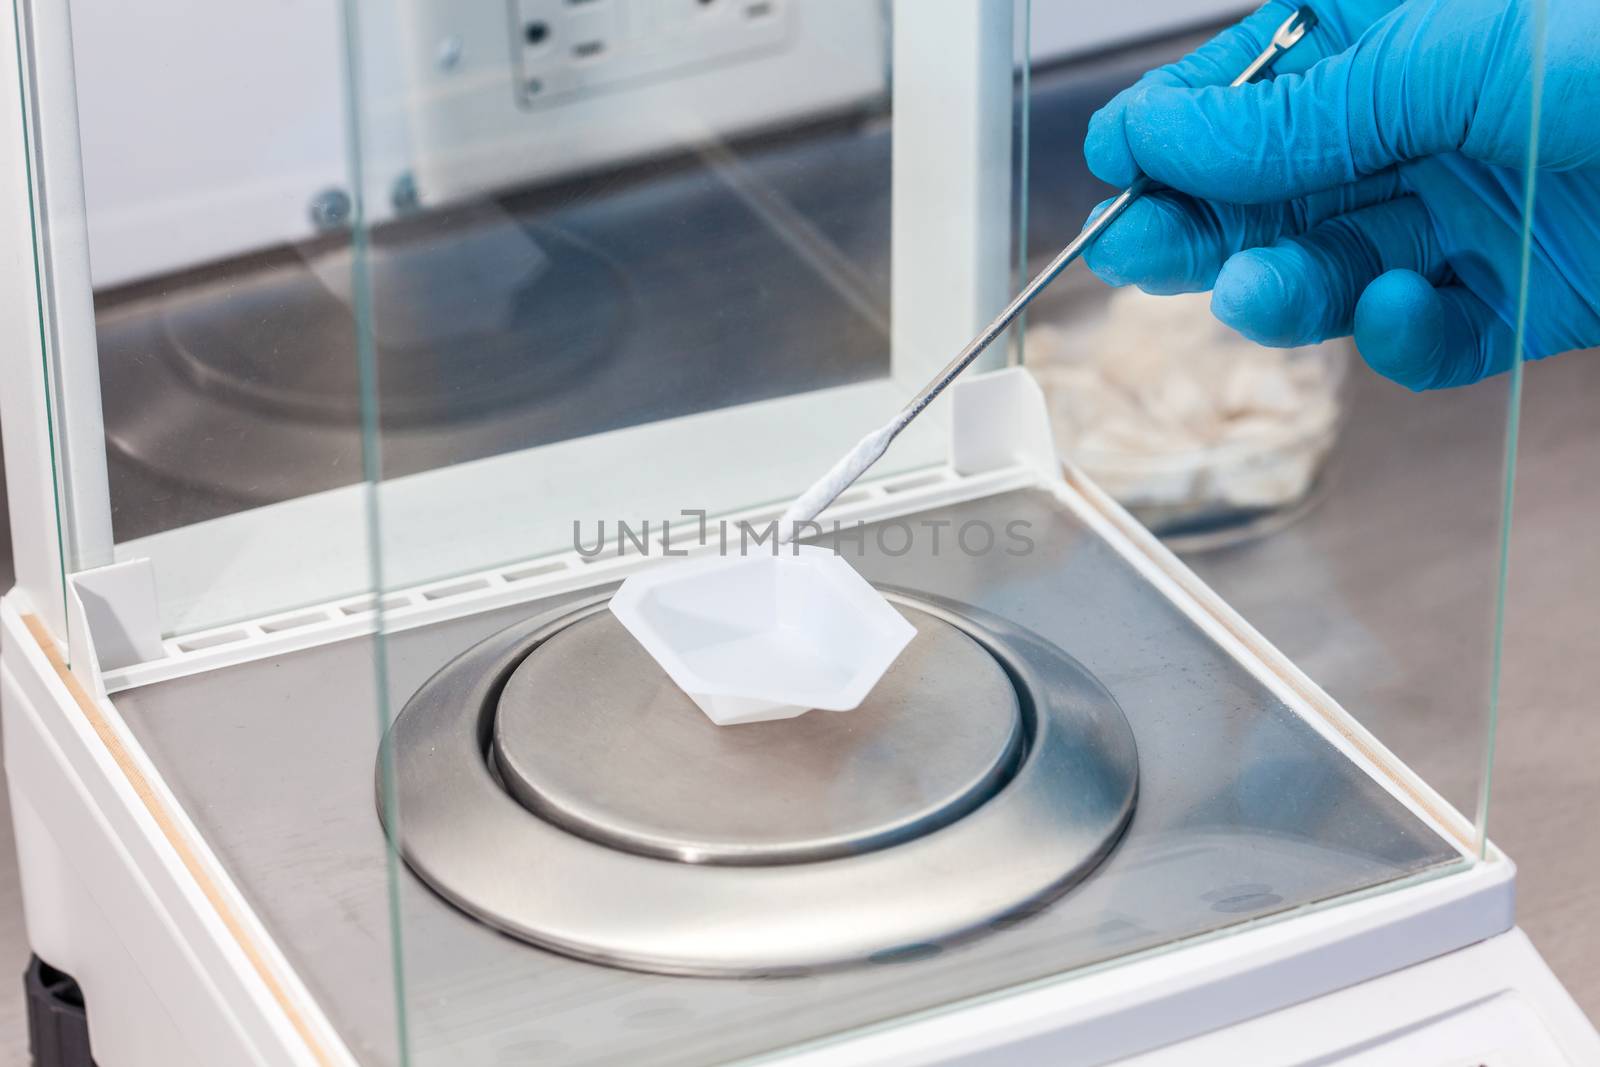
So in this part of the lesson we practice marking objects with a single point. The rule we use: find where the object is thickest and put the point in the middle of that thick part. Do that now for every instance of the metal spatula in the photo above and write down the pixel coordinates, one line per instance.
(871, 448)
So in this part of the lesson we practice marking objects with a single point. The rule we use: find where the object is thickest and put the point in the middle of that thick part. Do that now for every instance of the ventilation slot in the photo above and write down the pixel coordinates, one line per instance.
(445, 592)
(201, 642)
(294, 622)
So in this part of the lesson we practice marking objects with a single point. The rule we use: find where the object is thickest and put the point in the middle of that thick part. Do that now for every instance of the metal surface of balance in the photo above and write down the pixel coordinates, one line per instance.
(554, 783)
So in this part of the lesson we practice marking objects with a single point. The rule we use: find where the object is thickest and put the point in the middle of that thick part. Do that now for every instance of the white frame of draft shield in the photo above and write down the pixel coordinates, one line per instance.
(951, 255)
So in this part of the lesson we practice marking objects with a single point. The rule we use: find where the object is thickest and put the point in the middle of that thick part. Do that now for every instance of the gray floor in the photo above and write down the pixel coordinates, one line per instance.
(1545, 784)
(1426, 471)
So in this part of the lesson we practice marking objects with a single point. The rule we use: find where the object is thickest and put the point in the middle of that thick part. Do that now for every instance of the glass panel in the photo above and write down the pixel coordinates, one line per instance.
(715, 243)
(56, 439)
(28, 411)
(218, 246)
(662, 247)
(1244, 718)
(1357, 517)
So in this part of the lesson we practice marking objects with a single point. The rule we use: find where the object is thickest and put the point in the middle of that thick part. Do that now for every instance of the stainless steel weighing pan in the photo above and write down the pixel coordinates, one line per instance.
(987, 772)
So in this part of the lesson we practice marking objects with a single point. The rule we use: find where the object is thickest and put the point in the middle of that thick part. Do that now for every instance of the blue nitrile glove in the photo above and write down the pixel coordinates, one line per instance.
(1374, 185)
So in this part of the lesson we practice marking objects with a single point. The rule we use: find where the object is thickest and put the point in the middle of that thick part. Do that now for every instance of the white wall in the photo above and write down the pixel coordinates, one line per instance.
(210, 125)
(1074, 27)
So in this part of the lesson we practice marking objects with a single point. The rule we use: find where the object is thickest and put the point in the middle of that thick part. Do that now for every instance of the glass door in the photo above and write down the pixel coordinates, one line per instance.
(663, 262)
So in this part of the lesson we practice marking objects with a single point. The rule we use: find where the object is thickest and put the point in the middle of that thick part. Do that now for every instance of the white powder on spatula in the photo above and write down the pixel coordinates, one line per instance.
(854, 464)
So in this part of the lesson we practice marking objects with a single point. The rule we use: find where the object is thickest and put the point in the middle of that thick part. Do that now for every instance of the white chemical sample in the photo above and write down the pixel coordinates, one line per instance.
(1172, 412)
(866, 452)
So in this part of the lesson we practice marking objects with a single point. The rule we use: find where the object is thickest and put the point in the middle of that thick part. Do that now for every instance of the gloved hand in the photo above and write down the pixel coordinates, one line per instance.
(1375, 184)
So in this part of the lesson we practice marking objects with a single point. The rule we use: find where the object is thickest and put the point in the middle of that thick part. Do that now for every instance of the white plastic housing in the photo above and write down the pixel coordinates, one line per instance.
(753, 638)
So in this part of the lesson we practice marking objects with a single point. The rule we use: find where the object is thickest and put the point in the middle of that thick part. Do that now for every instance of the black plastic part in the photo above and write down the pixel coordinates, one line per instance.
(58, 1027)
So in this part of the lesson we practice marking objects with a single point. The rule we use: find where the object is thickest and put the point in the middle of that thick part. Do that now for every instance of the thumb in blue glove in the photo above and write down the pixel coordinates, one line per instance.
(1375, 186)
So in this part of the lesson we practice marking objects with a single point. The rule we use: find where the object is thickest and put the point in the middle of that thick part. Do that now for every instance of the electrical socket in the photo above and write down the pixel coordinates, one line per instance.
(500, 95)
(571, 48)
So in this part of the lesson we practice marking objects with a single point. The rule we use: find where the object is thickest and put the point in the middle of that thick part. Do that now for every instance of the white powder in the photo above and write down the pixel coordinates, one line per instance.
(1166, 408)
(839, 478)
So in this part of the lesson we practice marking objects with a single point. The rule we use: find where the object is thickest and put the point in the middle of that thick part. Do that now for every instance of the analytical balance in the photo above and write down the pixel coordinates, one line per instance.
(324, 749)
